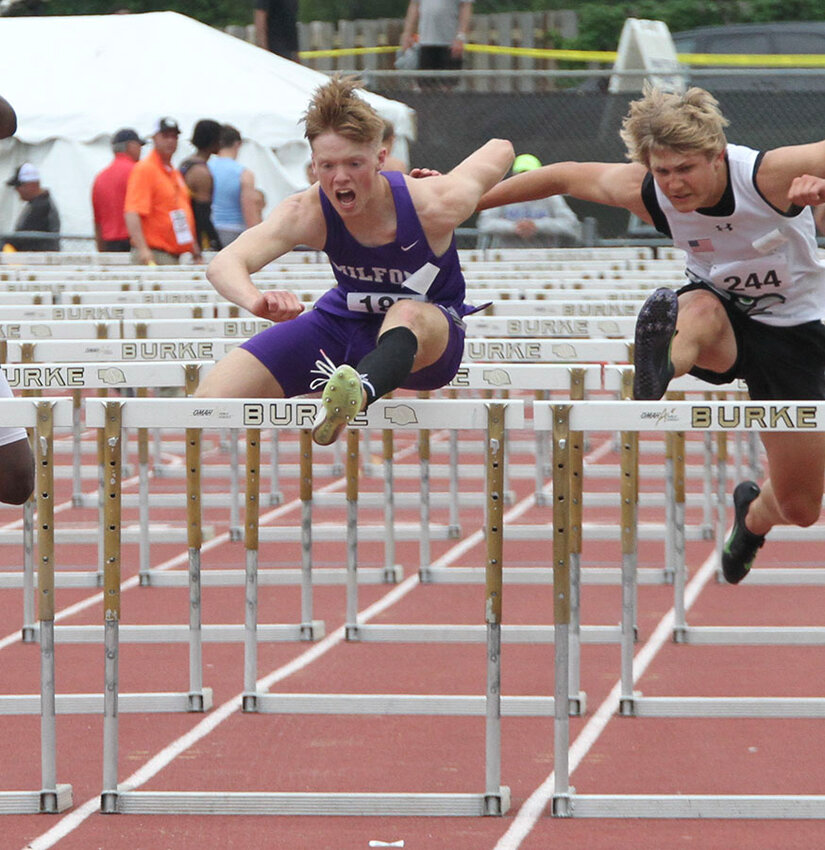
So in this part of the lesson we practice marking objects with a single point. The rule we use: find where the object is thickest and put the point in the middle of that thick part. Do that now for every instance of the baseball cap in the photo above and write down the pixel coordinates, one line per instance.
(127, 134)
(26, 173)
(166, 125)
(525, 162)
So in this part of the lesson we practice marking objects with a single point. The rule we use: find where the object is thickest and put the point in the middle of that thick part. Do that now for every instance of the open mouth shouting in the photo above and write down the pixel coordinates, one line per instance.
(346, 198)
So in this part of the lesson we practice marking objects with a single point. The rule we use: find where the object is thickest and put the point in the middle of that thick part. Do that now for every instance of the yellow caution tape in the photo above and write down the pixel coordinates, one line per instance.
(769, 60)
(345, 51)
(765, 60)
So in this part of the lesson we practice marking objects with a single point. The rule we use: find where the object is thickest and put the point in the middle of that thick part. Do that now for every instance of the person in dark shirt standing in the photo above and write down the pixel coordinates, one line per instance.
(109, 192)
(206, 138)
(276, 27)
(39, 215)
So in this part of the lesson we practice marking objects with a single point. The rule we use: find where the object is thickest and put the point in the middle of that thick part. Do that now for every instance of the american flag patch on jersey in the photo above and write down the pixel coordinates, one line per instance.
(700, 245)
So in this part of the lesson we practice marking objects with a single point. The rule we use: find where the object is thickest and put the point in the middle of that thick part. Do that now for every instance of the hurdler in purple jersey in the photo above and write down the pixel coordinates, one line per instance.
(394, 319)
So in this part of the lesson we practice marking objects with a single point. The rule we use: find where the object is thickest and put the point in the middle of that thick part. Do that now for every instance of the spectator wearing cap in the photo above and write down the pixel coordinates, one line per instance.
(109, 192)
(39, 216)
(157, 209)
(234, 203)
(206, 139)
(544, 223)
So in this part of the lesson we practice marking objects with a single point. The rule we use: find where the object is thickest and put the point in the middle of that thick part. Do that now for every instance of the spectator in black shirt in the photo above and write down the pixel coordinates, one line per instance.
(276, 27)
(39, 215)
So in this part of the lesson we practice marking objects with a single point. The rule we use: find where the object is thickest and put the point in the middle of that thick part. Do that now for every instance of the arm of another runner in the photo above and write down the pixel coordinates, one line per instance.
(781, 171)
(297, 220)
(611, 183)
(443, 202)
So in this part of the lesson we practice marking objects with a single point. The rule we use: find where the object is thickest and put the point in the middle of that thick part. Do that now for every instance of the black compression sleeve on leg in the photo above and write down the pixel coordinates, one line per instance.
(387, 366)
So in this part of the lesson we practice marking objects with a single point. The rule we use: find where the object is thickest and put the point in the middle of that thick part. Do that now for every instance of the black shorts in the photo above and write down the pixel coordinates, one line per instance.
(784, 363)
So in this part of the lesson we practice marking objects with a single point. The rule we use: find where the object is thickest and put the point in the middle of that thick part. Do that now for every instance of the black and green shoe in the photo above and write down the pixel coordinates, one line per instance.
(742, 544)
(655, 329)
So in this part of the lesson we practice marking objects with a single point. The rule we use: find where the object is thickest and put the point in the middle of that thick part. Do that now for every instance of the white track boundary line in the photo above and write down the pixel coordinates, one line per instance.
(536, 804)
(78, 815)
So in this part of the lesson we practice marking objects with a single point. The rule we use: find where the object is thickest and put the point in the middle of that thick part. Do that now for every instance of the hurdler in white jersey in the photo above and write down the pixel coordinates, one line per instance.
(763, 258)
(755, 298)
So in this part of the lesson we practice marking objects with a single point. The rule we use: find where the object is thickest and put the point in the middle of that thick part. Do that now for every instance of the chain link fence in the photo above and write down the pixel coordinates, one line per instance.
(569, 115)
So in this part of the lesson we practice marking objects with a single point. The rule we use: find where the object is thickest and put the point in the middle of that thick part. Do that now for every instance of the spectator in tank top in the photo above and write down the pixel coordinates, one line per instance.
(234, 204)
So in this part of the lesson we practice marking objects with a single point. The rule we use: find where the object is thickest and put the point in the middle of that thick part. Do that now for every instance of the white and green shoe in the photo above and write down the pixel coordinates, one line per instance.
(341, 401)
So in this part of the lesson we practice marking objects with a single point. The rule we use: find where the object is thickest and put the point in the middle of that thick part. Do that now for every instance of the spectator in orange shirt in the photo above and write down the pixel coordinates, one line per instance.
(109, 192)
(157, 209)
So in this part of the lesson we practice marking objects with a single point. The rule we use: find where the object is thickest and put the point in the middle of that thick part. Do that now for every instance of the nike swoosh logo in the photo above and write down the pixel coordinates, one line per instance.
(407, 247)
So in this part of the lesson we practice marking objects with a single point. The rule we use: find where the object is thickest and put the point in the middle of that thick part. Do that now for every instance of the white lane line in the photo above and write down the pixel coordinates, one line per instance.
(71, 821)
(535, 807)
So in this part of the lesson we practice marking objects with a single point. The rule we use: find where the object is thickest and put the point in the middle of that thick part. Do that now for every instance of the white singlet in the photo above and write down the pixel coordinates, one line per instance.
(764, 259)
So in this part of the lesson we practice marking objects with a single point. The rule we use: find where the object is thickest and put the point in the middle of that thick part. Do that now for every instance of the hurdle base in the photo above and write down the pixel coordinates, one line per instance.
(18, 704)
(294, 803)
(451, 705)
(393, 574)
(737, 707)
(627, 705)
(686, 806)
(45, 802)
(577, 704)
(561, 806)
(179, 633)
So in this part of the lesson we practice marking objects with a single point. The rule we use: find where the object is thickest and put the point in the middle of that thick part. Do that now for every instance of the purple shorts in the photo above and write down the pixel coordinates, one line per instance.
(290, 349)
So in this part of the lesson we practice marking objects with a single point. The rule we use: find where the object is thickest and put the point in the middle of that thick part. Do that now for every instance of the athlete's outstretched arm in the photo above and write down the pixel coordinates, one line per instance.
(295, 221)
(781, 168)
(609, 183)
(443, 201)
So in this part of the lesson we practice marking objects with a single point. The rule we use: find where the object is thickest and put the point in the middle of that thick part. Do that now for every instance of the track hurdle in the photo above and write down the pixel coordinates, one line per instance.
(42, 416)
(74, 378)
(202, 413)
(632, 418)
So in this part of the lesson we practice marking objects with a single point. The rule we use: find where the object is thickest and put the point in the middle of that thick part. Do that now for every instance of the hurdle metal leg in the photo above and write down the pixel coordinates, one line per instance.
(275, 495)
(392, 571)
(425, 555)
(679, 565)
(144, 550)
(561, 608)
(309, 628)
(251, 517)
(629, 521)
(195, 535)
(352, 535)
(111, 459)
(495, 802)
(28, 633)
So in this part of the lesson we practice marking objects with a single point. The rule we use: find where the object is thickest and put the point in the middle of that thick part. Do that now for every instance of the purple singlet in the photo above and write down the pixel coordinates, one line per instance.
(371, 280)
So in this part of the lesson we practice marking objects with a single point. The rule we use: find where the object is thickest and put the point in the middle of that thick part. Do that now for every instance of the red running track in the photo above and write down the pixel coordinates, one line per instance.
(226, 750)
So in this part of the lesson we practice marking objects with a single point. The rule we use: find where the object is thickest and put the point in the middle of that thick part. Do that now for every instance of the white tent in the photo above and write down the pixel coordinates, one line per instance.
(74, 81)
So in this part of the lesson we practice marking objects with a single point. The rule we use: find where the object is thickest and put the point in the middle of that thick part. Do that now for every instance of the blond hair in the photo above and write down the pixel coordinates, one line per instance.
(337, 107)
(686, 123)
